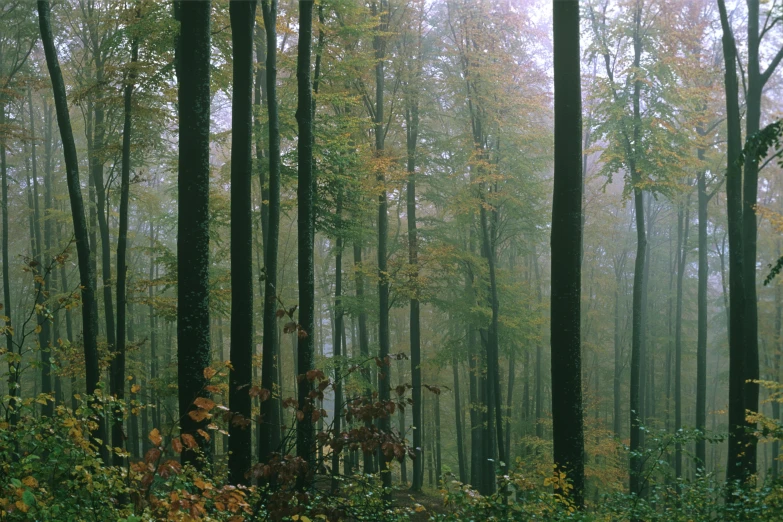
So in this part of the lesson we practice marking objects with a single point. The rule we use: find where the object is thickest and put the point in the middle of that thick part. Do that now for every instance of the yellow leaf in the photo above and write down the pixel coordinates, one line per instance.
(30, 482)
(135, 388)
(38, 329)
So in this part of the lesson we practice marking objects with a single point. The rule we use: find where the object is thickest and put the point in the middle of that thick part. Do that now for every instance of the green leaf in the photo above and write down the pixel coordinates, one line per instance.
(16, 483)
(28, 497)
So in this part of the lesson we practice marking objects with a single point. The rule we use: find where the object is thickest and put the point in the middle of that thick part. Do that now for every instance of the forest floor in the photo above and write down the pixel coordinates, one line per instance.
(430, 500)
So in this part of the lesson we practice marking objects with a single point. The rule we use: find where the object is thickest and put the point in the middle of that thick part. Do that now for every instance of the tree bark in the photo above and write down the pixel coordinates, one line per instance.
(737, 468)
(565, 322)
(243, 15)
(118, 375)
(305, 435)
(270, 358)
(683, 221)
(193, 326)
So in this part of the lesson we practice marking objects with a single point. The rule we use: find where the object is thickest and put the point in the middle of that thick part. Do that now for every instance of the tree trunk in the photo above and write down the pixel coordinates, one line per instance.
(737, 468)
(337, 353)
(193, 339)
(240, 442)
(463, 473)
(305, 435)
(565, 322)
(270, 358)
(14, 389)
(412, 138)
(118, 375)
(683, 221)
(379, 46)
(701, 342)
(86, 272)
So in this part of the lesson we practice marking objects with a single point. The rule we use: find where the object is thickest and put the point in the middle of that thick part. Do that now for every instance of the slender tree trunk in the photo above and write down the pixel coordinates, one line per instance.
(42, 269)
(438, 456)
(305, 435)
(338, 342)
(683, 219)
(737, 468)
(638, 279)
(86, 272)
(539, 392)
(567, 427)
(14, 390)
(701, 342)
(379, 46)
(270, 358)
(118, 375)
(243, 15)
(463, 473)
(776, 367)
(412, 138)
(193, 339)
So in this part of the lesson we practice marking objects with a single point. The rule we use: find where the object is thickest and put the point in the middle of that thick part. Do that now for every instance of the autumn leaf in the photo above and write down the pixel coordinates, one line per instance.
(155, 437)
(209, 372)
(204, 403)
(198, 415)
(135, 388)
(176, 445)
(189, 441)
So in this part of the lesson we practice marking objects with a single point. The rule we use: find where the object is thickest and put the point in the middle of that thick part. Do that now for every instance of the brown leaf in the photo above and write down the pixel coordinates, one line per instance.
(189, 440)
(299, 415)
(155, 437)
(198, 415)
(209, 372)
(152, 455)
(176, 445)
(204, 403)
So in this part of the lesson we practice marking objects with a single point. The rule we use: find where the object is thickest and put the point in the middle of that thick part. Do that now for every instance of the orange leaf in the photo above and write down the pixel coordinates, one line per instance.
(209, 372)
(204, 403)
(198, 415)
(155, 437)
(203, 434)
(176, 445)
(189, 441)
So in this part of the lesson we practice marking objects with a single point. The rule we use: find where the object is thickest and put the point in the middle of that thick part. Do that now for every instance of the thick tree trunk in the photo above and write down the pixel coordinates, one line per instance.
(193, 339)
(305, 434)
(270, 358)
(737, 468)
(243, 15)
(565, 322)
(86, 272)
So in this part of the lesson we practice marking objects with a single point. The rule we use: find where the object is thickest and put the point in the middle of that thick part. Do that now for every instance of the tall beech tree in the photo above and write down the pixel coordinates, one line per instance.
(305, 356)
(193, 338)
(86, 272)
(270, 409)
(567, 427)
(243, 16)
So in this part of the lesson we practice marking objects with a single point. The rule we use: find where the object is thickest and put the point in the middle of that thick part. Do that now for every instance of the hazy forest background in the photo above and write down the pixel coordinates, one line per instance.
(391, 260)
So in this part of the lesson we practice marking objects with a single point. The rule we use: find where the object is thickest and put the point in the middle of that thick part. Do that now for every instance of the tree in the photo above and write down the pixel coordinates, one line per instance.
(270, 409)
(118, 375)
(568, 436)
(193, 339)
(86, 272)
(305, 435)
(737, 468)
(243, 16)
